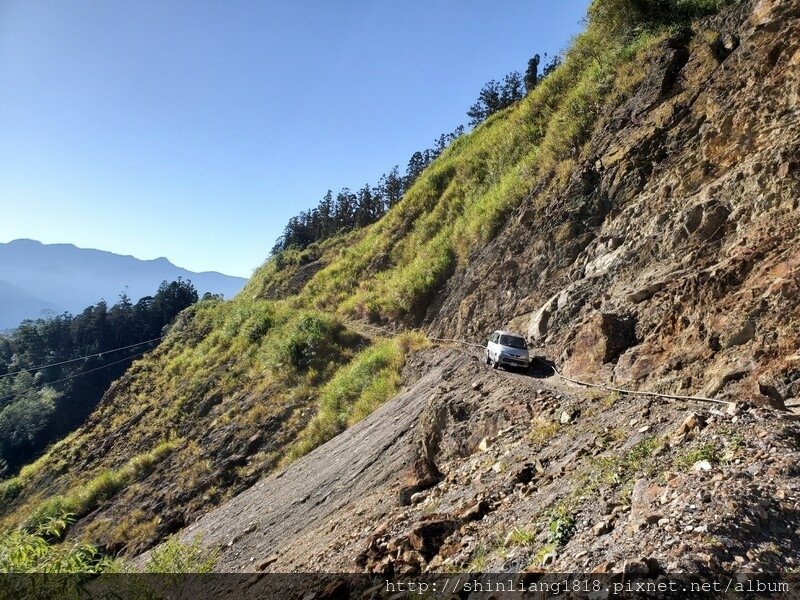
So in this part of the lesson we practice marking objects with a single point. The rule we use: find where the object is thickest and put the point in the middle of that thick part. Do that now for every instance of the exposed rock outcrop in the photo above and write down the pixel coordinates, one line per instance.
(688, 224)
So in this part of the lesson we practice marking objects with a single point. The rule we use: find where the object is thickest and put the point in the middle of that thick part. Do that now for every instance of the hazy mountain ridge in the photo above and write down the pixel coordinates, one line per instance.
(62, 277)
(15, 304)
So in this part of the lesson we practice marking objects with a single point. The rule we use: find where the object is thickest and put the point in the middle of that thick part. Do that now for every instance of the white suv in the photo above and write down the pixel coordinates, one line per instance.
(507, 349)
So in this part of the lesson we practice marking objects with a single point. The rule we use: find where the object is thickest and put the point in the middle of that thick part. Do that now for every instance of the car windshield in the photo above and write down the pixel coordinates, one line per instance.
(512, 341)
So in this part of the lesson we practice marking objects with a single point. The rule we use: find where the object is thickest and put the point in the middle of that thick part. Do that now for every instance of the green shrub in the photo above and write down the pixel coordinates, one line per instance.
(562, 528)
(23, 551)
(625, 18)
(356, 390)
(522, 537)
(309, 341)
(55, 508)
(706, 451)
(258, 326)
(305, 342)
(10, 489)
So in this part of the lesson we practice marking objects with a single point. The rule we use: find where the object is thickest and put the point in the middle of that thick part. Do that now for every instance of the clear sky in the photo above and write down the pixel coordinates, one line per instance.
(195, 129)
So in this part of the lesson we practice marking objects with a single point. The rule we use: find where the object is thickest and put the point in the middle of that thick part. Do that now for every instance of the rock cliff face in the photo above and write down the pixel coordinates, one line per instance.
(669, 261)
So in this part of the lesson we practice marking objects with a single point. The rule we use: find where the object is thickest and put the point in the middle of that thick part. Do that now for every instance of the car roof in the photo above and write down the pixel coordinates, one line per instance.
(502, 332)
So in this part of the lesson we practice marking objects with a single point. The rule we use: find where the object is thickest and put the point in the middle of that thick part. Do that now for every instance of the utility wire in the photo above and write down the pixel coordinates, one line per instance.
(72, 360)
(111, 364)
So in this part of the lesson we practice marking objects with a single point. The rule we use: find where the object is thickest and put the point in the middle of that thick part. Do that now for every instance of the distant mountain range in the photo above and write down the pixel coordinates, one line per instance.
(36, 278)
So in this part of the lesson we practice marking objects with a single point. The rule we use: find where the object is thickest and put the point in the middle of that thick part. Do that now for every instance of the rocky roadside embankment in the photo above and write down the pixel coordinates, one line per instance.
(529, 475)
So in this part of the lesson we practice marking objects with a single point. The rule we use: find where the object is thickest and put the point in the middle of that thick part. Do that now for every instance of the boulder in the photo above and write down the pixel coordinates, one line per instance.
(691, 423)
(740, 335)
(599, 341)
(561, 306)
(773, 389)
(537, 328)
(428, 536)
(644, 498)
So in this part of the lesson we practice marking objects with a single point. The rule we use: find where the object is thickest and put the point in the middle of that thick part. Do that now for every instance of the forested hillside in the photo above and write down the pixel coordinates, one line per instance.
(39, 404)
(336, 215)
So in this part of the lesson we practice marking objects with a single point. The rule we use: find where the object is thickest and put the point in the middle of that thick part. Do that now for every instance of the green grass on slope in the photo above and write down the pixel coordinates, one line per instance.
(460, 202)
(85, 497)
(231, 366)
(356, 390)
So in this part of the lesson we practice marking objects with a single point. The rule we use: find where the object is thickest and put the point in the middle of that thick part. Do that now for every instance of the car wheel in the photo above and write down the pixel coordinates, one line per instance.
(495, 363)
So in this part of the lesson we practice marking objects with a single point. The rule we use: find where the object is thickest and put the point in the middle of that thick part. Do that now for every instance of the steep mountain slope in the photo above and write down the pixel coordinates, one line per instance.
(667, 261)
(636, 214)
(71, 278)
(671, 259)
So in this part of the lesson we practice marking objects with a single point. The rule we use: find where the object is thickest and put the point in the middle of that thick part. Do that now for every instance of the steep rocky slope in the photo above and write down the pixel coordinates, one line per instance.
(636, 215)
(471, 469)
(670, 261)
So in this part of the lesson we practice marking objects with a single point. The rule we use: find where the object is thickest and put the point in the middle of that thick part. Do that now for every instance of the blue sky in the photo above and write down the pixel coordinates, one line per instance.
(194, 129)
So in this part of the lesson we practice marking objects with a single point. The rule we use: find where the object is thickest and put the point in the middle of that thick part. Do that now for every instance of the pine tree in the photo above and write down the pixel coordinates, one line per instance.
(532, 73)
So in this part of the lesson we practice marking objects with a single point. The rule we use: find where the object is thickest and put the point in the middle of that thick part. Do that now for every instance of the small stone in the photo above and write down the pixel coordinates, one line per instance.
(635, 567)
(653, 518)
(566, 417)
(690, 423)
(602, 528)
(476, 385)
(734, 409)
(605, 567)
(701, 465)
(644, 429)
(484, 445)
(266, 562)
